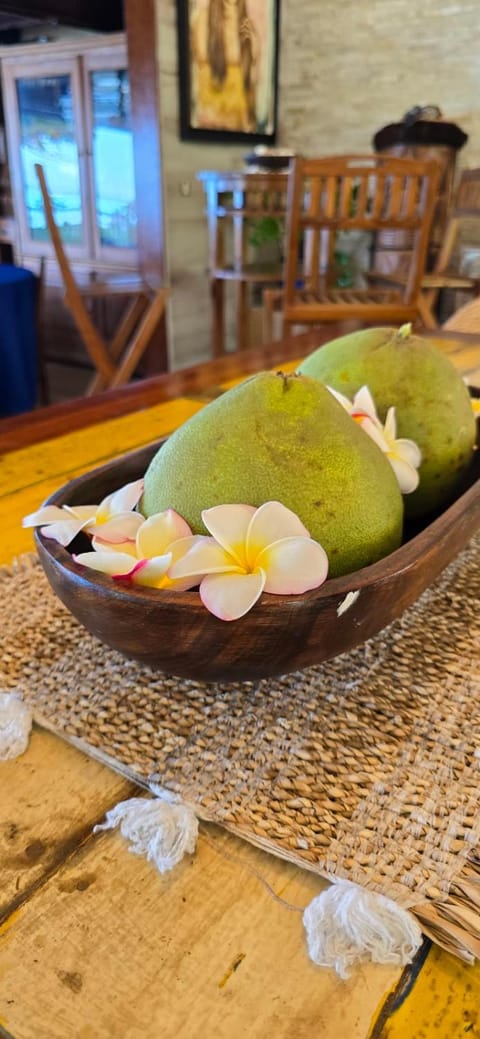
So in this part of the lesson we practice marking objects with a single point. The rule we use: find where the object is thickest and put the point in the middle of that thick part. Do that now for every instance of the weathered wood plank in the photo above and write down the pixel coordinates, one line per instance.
(51, 798)
(108, 947)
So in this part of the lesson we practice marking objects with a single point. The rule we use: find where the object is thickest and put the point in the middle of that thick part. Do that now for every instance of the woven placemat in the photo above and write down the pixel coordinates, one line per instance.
(366, 767)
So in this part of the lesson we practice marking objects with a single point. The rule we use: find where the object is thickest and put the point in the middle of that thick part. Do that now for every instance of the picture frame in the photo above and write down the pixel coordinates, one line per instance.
(228, 70)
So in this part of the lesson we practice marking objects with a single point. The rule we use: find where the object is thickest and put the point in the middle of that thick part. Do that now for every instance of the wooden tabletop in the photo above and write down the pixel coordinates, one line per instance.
(95, 944)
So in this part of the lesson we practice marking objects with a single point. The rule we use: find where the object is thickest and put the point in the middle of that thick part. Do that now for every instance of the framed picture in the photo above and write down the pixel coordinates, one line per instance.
(228, 69)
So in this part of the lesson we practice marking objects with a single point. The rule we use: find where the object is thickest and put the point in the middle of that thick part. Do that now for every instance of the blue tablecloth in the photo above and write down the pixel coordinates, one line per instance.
(18, 340)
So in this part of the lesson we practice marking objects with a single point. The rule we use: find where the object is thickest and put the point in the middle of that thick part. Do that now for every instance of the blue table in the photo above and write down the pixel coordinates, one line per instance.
(18, 340)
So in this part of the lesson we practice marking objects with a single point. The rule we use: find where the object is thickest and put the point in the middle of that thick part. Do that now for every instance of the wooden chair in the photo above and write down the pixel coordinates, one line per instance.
(372, 193)
(446, 274)
(114, 360)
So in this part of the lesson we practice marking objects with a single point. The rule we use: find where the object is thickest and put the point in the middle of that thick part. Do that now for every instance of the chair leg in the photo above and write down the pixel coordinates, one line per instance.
(269, 298)
(134, 312)
(242, 315)
(426, 302)
(217, 287)
(141, 340)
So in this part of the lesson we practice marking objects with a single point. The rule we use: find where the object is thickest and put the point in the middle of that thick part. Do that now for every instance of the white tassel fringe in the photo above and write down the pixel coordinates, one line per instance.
(15, 726)
(346, 924)
(160, 829)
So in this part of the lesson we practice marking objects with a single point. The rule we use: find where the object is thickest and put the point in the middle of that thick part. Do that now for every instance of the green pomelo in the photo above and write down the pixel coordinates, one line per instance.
(431, 401)
(283, 438)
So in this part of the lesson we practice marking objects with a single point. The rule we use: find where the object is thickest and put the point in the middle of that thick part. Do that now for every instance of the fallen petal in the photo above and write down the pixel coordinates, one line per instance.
(270, 523)
(229, 524)
(347, 602)
(293, 565)
(230, 596)
(156, 534)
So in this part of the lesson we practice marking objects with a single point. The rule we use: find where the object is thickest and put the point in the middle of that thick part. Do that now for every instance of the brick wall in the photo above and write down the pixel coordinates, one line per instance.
(347, 67)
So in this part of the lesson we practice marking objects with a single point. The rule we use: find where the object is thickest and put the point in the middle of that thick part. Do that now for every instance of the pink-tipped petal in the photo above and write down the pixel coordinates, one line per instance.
(151, 572)
(121, 527)
(112, 563)
(64, 531)
(270, 523)
(293, 566)
(48, 514)
(123, 500)
(205, 556)
(156, 534)
(363, 401)
(407, 476)
(229, 524)
(231, 596)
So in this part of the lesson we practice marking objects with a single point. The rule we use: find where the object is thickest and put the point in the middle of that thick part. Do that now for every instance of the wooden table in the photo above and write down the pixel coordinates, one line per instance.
(95, 944)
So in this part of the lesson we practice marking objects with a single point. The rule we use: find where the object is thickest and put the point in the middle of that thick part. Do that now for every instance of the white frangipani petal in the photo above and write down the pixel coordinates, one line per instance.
(123, 500)
(270, 523)
(64, 531)
(119, 546)
(293, 566)
(47, 514)
(112, 563)
(121, 527)
(83, 512)
(229, 524)
(150, 572)
(230, 596)
(363, 401)
(375, 432)
(409, 451)
(342, 399)
(204, 557)
(156, 534)
(407, 476)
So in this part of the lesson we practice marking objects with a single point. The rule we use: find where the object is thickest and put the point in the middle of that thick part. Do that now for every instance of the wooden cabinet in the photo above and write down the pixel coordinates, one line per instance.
(67, 107)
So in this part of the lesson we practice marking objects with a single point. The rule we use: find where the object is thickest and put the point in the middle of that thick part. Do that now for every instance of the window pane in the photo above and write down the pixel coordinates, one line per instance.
(113, 159)
(48, 137)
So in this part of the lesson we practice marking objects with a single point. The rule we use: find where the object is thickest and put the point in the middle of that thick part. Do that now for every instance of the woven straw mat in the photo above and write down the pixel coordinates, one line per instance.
(366, 767)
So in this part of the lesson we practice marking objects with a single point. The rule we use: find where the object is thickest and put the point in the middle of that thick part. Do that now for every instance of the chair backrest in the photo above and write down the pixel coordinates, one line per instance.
(73, 296)
(373, 193)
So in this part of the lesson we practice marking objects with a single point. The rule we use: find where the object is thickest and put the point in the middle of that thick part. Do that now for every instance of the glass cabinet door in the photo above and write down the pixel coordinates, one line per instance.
(108, 130)
(112, 154)
(49, 132)
(45, 107)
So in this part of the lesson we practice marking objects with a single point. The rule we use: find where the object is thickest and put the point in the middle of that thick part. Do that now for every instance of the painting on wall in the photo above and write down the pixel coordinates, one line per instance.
(228, 69)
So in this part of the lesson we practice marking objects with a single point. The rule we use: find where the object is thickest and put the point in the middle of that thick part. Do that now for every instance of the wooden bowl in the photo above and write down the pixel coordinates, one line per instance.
(175, 633)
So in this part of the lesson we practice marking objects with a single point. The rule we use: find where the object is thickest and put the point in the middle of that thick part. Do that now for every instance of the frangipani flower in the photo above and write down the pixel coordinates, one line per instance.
(404, 455)
(160, 541)
(251, 551)
(112, 522)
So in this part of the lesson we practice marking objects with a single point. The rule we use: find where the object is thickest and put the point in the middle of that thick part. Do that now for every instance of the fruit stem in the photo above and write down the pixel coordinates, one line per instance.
(405, 331)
